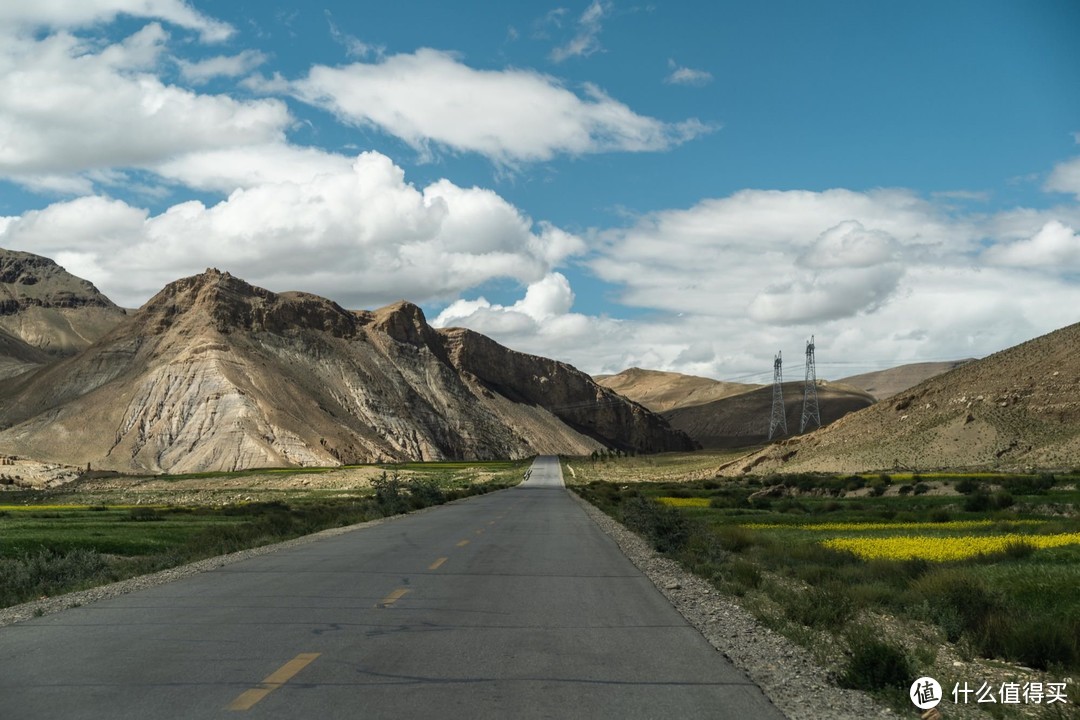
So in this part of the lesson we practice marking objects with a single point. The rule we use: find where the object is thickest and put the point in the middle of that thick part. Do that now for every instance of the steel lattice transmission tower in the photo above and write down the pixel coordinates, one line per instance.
(810, 409)
(779, 416)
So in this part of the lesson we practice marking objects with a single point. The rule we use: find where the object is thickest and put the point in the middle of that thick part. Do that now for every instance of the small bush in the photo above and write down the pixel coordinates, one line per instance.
(745, 575)
(875, 664)
(388, 494)
(823, 607)
(665, 527)
(958, 602)
(966, 486)
(978, 502)
(424, 492)
(921, 488)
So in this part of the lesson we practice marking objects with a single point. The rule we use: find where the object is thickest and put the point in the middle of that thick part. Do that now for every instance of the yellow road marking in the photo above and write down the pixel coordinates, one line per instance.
(479, 532)
(393, 597)
(247, 699)
(463, 543)
(437, 564)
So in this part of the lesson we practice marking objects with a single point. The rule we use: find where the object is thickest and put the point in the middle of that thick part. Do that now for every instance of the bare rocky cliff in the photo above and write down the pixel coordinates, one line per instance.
(213, 373)
(48, 308)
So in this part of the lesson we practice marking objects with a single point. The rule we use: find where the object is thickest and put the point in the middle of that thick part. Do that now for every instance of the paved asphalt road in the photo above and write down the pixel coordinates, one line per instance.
(509, 605)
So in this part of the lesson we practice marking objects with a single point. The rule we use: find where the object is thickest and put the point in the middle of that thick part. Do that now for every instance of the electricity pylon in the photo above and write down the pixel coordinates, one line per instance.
(779, 417)
(810, 409)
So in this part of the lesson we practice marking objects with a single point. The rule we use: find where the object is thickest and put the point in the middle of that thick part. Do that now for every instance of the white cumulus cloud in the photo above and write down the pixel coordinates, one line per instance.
(1055, 247)
(65, 14)
(67, 108)
(430, 99)
(361, 235)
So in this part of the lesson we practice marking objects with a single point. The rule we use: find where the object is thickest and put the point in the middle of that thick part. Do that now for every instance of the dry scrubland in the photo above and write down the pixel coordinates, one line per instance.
(961, 576)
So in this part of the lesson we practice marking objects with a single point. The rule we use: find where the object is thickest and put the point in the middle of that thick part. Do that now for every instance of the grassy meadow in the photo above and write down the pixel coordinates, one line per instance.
(885, 578)
(51, 543)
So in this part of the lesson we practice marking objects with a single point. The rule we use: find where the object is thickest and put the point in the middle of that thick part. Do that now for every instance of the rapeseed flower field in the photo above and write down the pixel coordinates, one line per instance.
(693, 502)
(944, 549)
(856, 526)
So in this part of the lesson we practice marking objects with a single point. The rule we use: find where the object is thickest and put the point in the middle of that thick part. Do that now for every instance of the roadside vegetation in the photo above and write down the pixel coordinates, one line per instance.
(51, 544)
(885, 578)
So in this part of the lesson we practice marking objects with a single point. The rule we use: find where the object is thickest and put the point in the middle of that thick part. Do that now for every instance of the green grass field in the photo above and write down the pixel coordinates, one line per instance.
(765, 541)
(50, 544)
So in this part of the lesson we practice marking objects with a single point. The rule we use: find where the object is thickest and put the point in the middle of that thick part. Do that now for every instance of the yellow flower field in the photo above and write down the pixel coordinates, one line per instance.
(943, 549)
(852, 526)
(697, 502)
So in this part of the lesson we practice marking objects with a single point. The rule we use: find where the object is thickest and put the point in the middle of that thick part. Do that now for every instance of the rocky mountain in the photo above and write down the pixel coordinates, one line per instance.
(883, 384)
(1015, 409)
(47, 308)
(17, 356)
(662, 391)
(215, 374)
(742, 420)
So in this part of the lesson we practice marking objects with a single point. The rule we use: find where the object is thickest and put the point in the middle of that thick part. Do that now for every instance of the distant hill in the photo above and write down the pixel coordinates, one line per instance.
(1016, 409)
(48, 308)
(720, 414)
(216, 374)
(742, 420)
(661, 391)
(883, 384)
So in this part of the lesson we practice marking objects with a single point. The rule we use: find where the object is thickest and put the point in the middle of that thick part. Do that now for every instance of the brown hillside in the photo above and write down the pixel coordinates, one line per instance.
(1016, 409)
(662, 391)
(215, 374)
(48, 308)
(18, 357)
(742, 420)
(883, 384)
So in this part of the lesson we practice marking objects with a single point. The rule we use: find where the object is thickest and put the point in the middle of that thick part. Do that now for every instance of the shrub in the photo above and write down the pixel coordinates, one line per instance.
(978, 502)
(388, 494)
(921, 488)
(424, 492)
(823, 607)
(665, 527)
(875, 664)
(958, 602)
(1003, 500)
(966, 486)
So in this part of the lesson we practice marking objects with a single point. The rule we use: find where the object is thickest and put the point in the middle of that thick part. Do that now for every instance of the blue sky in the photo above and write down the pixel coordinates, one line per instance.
(682, 186)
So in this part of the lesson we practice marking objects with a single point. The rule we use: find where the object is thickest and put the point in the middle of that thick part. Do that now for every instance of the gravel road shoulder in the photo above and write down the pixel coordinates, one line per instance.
(785, 672)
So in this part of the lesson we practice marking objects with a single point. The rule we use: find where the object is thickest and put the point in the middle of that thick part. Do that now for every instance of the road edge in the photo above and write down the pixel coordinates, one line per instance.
(786, 673)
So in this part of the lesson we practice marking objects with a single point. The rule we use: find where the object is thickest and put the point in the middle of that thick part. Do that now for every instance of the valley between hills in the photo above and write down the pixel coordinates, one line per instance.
(221, 416)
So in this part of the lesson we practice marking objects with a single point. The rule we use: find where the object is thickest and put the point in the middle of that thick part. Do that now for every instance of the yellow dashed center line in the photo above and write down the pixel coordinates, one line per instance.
(392, 597)
(247, 699)
(463, 543)
(437, 564)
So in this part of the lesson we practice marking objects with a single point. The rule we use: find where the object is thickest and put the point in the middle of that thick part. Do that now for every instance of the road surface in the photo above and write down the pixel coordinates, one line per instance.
(508, 605)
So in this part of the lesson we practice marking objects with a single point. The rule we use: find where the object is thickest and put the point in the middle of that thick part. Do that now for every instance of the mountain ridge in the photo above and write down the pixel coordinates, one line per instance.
(215, 373)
